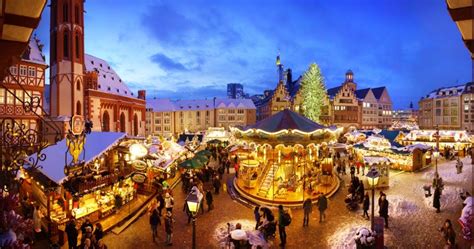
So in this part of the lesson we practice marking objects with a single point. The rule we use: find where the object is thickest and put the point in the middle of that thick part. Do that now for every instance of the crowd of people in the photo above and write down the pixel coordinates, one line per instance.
(91, 238)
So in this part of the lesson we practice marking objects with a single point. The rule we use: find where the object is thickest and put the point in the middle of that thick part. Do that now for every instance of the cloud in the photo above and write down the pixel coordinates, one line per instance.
(167, 63)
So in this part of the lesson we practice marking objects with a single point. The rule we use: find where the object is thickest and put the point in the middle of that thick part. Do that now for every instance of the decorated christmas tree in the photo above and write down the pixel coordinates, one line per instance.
(313, 92)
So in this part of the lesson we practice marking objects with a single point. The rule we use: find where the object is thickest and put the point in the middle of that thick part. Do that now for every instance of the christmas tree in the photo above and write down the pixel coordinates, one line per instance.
(313, 92)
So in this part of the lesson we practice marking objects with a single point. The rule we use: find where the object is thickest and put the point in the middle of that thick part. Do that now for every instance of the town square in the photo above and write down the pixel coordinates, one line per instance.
(236, 124)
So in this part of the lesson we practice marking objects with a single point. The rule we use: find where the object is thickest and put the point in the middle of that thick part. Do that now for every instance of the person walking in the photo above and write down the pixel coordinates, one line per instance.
(366, 205)
(308, 208)
(383, 209)
(436, 200)
(322, 206)
(72, 234)
(448, 234)
(161, 203)
(169, 202)
(256, 214)
(282, 223)
(216, 184)
(361, 190)
(209, 200)
(37, 216)
(154, 221)
(98, 232)
(169, 228)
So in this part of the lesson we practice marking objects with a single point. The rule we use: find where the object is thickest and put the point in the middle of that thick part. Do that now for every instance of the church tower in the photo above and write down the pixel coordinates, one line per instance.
(67, 58)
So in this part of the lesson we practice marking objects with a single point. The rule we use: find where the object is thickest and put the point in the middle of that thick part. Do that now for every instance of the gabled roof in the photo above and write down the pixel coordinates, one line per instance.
(108, 79)
(33, 53)
(235, 103)
(188, 105)
(285, 120)
(378, 92)
(96, 144)
(361, 93)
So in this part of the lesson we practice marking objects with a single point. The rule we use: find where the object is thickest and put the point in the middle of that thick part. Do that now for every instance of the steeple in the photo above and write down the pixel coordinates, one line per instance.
(279, 68)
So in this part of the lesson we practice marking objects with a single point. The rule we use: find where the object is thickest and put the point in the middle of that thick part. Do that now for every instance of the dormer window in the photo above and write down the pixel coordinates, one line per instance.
(120, 80)
(103, 76)
(207, 105)
(100, 64)
(118, 90)
(108, 67)
(189, 107)
(98, 86)
(125, 92)
(108, 88)
(197, 106)
(113, 78)
(132, 94)
(92, 62)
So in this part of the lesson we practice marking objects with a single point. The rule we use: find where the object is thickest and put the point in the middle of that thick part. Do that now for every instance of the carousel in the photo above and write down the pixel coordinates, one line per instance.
(284, 159)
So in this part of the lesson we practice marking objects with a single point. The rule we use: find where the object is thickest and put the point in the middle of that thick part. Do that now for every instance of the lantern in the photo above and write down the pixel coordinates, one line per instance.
(373, 176)
(193, 203)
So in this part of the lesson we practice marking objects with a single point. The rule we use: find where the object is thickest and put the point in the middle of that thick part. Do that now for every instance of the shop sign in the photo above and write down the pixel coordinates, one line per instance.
(77, 124)
(138, 177)
(138, 150)
(139, 165)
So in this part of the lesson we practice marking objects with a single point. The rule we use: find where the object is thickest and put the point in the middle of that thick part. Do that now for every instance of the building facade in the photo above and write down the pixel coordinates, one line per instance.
(448, 108)
(165, 117)
(85, 85)
(235, 91)
(29, 72)
(344, 102)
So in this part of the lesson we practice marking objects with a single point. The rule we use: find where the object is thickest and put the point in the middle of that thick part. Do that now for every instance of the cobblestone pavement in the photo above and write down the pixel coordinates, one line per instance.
(417, 229)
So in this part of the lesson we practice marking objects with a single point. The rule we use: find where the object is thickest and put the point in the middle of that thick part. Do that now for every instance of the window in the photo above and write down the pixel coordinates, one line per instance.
(157, 121)
(31, 72)
(65, 12)
(157, 128)
(22, 70)
(167, 128)
(2, 96)
(19, 94)
(78, 108)
(78, 47)
(10, 98)
(231, 118)
(78, 85)
(66, 44)
(240, 111)
(14, 70)
(167, 121)
(76, 14)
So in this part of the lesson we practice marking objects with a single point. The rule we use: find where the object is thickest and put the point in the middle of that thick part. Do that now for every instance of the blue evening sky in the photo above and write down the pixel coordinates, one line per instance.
(193, 48)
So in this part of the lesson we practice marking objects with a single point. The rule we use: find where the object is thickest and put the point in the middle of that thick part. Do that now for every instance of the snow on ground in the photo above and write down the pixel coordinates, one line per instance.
(343, 238)
(222, 229)
(449, 198)
(400, 206)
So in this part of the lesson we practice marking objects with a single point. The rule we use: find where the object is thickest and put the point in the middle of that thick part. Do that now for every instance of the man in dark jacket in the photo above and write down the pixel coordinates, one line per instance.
(154, 221)
(383, 209)
(216, 184)
(72, 234)
(436, 200)
(281, 225)
(366, 205)
(169, 228)
(322, 206)
(308, 208)
(209, 200)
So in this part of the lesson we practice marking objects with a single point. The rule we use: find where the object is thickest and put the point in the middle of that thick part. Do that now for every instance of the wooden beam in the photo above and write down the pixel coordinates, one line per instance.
(461, 14)
(22, 21)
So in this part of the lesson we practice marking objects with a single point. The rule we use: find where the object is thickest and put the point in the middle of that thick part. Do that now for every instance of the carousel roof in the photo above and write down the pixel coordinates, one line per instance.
(286, 120)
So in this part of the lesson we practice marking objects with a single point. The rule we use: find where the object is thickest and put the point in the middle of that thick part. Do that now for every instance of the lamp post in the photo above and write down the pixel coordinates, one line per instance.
(193, 205)
(373, 176)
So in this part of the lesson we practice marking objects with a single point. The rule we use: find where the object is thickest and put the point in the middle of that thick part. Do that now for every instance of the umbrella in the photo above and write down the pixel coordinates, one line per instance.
(203, 159)
(204, 153)
(214, 141)
(191, 164)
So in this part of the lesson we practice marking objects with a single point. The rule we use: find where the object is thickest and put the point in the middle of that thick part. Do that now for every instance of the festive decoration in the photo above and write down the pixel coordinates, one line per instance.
(314, 92)
(14, 229)
(365, 238)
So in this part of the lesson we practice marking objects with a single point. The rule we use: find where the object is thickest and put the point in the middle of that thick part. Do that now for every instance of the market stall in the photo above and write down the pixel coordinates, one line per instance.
(280, 159)
(448, 139)
(382, 164)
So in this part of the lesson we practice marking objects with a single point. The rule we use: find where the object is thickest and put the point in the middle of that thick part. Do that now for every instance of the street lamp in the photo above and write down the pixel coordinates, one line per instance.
(193, 205)
(373, 176)
(436, 155)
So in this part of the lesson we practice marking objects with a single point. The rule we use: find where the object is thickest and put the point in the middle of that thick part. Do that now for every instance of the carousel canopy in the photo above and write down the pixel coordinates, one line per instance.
(96, 144)
(286, 120)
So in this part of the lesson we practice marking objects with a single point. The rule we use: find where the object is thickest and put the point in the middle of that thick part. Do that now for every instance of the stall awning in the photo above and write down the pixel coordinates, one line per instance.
(96, 144)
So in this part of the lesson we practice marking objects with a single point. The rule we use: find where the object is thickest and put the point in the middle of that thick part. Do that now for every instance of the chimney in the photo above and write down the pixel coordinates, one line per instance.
(142, 94)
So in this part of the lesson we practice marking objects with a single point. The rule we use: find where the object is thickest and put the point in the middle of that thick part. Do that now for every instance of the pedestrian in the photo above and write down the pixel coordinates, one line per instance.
(72, 234)
(448, 234)
(217, 184)
(154, 222)
(383, 209)
(227, 165)
(366, 205)
(88, 235)
(87, 223)
(161, 203)
(209, 200)
(101, 245)
(436, 200)
(308, 208)
(169, 202)
(459, 166)
(358, 164)
(236, 168)
(98, 232)
(37, 216)
(282, 223)
(169, 228)
(87, 244)
(256, 214)
(322, 206)
(352, 171)
(361, 190)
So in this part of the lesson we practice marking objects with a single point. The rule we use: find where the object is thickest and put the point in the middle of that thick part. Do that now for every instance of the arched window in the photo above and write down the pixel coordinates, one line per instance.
(78, 47)
(78, 85)
(106, 121)
(65, 12)
(78, 107)
(122, 122)
(135, 125)
(66, 44)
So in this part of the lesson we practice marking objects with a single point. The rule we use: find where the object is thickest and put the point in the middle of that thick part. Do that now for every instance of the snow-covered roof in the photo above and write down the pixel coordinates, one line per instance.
(235, 103)
(33, 52)
(96, 144)
(445, 92)
(192, 105)
(108, 79)
(160, 105)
